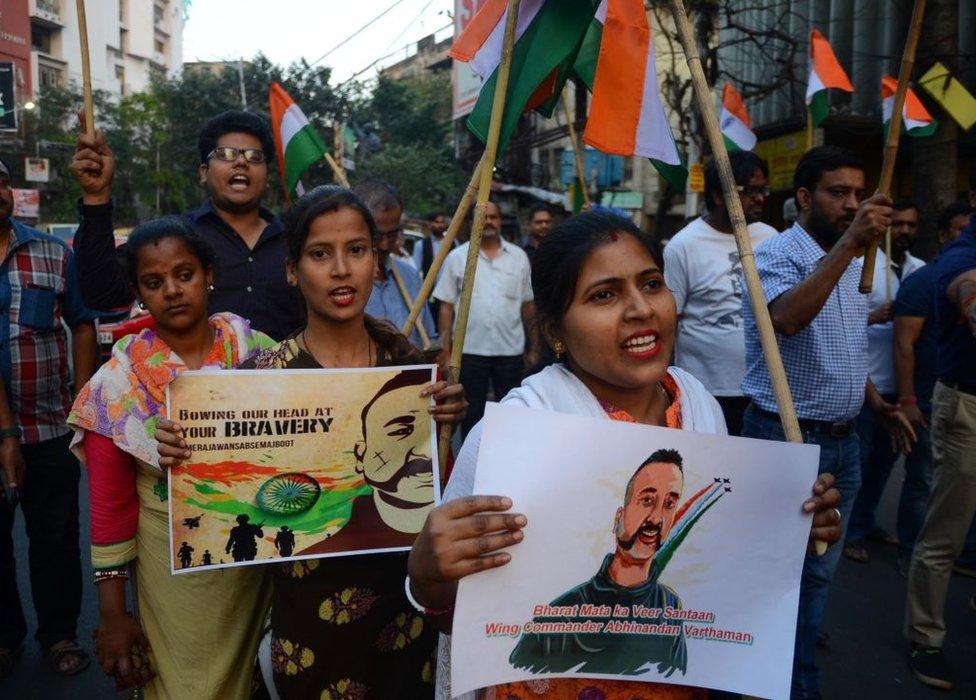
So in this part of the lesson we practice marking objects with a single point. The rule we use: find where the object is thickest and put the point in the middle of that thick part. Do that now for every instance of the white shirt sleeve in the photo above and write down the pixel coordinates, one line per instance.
(448, 287)
(527, 280)
(676, 274)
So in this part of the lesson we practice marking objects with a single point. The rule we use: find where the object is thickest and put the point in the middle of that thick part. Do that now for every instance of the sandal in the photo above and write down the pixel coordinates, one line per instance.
(8, 658)
(856, 552)
(68, 660)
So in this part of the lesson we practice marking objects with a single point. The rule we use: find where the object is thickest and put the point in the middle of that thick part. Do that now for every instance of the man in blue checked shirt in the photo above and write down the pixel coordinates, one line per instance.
(810, 277)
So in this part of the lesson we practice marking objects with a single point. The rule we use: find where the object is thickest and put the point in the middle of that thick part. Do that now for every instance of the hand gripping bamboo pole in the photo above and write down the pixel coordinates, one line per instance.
(86, 70)
(464, 206)
(424, 338)
(484, 189)
(577, 154)
(894, 131)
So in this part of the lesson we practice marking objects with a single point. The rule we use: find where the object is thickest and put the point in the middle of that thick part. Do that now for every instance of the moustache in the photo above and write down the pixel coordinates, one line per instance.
(413, 465)
(628, 544)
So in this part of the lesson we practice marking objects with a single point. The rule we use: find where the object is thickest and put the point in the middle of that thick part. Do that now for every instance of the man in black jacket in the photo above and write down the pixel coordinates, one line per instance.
(235, 150)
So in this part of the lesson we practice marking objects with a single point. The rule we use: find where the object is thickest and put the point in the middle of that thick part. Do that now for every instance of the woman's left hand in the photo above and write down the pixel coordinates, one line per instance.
(826, 517)
(450, 404)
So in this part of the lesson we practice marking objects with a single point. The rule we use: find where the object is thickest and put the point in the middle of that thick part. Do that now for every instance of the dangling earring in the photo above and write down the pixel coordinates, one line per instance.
(559, 348)
(210, 287)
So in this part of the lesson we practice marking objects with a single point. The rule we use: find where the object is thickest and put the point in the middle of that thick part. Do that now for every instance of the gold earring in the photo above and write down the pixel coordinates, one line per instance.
(560, 349)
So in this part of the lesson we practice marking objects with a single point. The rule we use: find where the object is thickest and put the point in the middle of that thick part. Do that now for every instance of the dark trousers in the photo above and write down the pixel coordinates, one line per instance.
(733, 408)
(49, 501)
(478, 372)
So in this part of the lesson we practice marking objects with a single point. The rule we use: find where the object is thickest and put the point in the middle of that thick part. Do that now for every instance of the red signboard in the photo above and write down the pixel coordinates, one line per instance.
(15, 42)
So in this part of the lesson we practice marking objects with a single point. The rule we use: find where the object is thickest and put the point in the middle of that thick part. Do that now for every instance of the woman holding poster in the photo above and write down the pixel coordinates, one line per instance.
(194, 635)
(343, 627)
(608, 315)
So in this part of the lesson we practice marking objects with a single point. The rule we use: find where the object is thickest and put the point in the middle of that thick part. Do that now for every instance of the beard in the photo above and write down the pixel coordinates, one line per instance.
(902, 243)
(823, 229)
(413, 465)
(627, 544)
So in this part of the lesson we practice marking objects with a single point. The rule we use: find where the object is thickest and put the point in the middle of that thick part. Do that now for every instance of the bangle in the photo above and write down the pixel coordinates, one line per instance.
(12, 431)
(907, 401)
(107, 574)
(423, 608)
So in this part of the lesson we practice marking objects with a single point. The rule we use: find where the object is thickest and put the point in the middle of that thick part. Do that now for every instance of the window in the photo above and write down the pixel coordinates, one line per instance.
(160, 47)
(157, 14)
(41, 39)
(49, 76)
(120, 76)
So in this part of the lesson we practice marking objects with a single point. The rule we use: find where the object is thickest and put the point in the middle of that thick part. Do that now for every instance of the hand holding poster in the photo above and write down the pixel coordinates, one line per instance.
(650, 554)
(298, 464)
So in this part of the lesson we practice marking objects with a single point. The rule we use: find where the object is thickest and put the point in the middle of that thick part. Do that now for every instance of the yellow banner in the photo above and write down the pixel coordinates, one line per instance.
(951, 94)
(782, 153)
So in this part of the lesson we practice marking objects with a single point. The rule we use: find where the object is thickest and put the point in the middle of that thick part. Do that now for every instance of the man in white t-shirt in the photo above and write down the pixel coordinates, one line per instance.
(501, 316)
(703, 271)
(877, 457)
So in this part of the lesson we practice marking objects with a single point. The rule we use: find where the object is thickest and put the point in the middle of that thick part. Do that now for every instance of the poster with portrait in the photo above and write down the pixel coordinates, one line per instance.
(650, 554)
(300, 464)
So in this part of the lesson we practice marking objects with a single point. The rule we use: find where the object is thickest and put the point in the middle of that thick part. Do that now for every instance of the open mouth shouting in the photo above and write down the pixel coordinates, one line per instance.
(642, 345)
(343, 296)
(239, 182)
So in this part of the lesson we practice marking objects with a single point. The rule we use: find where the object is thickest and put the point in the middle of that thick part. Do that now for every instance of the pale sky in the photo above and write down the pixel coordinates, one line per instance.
(287, 30)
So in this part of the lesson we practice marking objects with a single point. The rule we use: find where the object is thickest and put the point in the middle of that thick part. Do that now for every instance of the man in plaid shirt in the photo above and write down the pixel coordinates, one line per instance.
(38, 295)
(810, 277)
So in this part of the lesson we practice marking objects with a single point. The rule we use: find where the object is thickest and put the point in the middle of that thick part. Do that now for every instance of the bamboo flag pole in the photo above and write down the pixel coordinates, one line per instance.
(424, 338)
(894, 131)
(480, 209)
(577, 155)
(340, 174)
(86, 69)
(464, 206)
(756, 296)
(809, 129)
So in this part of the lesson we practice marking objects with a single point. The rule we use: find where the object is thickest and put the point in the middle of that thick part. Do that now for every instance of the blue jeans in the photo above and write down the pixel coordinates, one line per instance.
(877, 459)
(840, 457)
(915, 491)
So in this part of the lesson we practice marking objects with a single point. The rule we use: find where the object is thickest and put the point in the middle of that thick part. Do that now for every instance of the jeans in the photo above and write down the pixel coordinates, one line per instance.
(915, 490)
(877, 460)
(478, 372)
(840, 457)
(49, 500)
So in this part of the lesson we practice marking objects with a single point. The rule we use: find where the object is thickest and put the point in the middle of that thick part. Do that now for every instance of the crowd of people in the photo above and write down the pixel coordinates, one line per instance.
(589, 317)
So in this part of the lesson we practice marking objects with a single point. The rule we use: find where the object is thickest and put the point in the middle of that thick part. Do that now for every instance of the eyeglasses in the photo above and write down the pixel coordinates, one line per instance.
(751, 191)
(229, 154)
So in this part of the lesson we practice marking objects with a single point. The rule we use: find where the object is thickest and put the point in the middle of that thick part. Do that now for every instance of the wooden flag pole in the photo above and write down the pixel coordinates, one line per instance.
(480, 209)
(756, 296)
(86, 70)
(424, 338)
(894, 131)
(340, 174)
(578, 156)
(464, 206)
(809, 129)
(888, 264)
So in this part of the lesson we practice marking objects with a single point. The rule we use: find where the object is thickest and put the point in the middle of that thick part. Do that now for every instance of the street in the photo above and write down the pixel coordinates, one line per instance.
(866, 658)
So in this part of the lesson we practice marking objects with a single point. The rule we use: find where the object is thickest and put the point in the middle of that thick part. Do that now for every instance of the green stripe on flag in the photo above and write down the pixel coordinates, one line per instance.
(730, 145)
(589, 53)
(819, 107)
(918, 132)
(552, 37)
(303, 150)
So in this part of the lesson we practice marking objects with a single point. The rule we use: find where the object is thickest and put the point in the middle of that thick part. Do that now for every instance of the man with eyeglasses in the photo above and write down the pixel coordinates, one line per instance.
(810, 276)
(235, 149)
(703, 271)
(387, 301)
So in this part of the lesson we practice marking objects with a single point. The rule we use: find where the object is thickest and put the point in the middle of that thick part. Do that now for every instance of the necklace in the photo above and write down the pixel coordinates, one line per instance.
(308, 348)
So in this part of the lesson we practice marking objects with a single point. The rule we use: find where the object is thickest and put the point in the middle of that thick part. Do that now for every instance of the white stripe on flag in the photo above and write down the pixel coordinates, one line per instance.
(653, 138)
(740, 134)
(292, 121)
(814, 85)
(488, 57)
(601, 12)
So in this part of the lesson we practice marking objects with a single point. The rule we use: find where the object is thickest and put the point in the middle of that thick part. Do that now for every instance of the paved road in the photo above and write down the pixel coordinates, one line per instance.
(866, 659)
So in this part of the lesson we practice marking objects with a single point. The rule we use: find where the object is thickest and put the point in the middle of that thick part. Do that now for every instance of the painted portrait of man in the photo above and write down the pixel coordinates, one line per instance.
(394, 458)
(627, 577)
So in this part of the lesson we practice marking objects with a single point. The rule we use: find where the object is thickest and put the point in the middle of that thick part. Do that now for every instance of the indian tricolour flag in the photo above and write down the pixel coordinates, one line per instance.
(825, 72)
(916, 121)
(548, 35)
(298, 144)
(627, 115)
(735, 121)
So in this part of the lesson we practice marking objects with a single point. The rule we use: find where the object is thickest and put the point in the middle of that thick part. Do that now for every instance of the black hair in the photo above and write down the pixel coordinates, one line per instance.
(951, 212)
(379, 195)
(537, 207)
(560, 257)
(904, 203)
(820, 160)
(323, 199)
(744, 166)
(234, 121)
(160, 229)
(662, 456)
(408, 377)
(432, 216)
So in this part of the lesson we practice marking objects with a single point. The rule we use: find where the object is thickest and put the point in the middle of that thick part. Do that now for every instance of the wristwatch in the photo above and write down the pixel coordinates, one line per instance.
(12, 431)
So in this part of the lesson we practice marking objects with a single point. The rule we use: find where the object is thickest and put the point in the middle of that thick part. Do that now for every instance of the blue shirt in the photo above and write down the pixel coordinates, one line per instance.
(957, 346)
(387, 303)
(826, 362)
(916, 298)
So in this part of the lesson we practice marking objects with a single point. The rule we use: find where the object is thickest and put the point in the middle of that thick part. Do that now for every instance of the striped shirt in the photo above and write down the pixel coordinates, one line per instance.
(38, 289)
(826, 362)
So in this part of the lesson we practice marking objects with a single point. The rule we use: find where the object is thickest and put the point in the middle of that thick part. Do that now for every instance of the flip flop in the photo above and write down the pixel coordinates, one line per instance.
(857, 552)
(56, 658)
